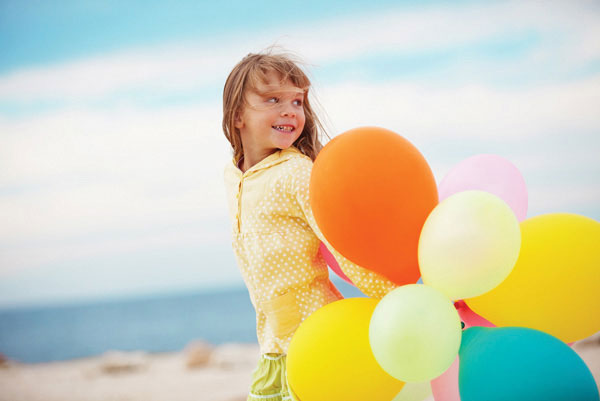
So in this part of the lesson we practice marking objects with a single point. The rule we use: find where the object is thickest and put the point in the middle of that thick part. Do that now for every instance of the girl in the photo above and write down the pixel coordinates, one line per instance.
(274, 134)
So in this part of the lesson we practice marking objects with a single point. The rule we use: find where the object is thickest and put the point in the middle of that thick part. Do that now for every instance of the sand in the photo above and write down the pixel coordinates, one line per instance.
(215, 374)
(133, 376)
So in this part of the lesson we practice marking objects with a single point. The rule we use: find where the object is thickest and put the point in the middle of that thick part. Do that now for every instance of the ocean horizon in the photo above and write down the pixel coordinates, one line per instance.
(161, 322)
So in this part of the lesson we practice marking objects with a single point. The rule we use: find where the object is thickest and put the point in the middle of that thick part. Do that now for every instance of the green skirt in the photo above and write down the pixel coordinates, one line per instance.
(269, 380)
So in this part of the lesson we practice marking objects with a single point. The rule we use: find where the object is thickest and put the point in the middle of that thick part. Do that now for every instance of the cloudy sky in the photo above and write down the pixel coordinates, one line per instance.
(111, 151)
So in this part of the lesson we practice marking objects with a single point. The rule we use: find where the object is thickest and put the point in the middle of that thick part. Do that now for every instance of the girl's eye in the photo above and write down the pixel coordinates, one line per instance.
(272, 100)
(298, 102)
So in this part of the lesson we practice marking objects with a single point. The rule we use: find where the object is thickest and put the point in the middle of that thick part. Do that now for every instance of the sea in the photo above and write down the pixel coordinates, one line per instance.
(151, 323)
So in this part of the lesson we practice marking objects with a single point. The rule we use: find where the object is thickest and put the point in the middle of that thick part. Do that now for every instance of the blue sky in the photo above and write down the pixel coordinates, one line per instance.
(111, 152)
(35, 32)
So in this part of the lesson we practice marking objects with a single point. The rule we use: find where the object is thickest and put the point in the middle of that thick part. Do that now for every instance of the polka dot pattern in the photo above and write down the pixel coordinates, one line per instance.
(276, 243)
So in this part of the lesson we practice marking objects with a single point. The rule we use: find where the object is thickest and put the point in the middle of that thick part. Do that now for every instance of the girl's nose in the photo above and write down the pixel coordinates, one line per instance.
(288, 112)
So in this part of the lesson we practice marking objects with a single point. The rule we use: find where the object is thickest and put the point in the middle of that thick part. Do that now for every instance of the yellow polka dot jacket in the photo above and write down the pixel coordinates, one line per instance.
(276, 243)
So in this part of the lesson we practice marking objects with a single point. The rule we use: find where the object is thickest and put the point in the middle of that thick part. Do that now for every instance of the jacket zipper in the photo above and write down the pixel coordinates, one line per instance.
(239, 206)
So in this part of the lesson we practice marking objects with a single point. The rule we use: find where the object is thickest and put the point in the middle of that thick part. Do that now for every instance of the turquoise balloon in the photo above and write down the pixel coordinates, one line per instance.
(517, 363)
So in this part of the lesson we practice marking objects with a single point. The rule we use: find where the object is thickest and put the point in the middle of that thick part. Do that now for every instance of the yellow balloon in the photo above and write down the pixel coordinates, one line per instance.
(330, 358)
(469, 244)
(555, 284)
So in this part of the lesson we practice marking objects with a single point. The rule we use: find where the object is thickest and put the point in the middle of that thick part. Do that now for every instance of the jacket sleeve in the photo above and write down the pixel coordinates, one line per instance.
(370, 283)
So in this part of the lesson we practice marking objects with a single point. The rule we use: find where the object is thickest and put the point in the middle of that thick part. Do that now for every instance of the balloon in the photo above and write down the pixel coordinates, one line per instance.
(469, 244)
(555, 284)
(445, 387)
(333, 264)
(469, 317)
(415, 333)
(371, 191)
(490, 173)
(329, 357)
(414, 392)
(517, 363)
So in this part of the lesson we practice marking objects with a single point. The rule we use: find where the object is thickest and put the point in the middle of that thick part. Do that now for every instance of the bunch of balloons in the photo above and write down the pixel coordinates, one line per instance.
(534, 283)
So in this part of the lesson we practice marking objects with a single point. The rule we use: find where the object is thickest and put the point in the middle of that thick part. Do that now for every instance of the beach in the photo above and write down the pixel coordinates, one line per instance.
(222, 374)
(200, 372)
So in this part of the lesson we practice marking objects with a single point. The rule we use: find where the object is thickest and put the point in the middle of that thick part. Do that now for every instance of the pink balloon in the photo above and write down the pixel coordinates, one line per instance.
(445, 386)
(491, 173)
(469, 317)
(332, 263)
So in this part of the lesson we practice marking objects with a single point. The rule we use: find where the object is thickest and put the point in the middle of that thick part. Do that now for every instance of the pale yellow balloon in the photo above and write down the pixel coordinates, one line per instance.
(330, 358)
(555, 284)
(417, 391)
(415, 333)
(469, 244)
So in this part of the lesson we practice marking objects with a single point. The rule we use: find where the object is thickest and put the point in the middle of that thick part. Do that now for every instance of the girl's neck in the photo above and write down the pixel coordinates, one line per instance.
(249, 160)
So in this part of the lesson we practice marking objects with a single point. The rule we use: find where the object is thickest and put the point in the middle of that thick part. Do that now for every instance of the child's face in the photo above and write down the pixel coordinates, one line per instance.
(273, 117)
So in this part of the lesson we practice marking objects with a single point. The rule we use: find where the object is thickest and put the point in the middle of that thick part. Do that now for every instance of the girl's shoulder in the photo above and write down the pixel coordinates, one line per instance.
(295, 171)
(299, 159)
(294, 163)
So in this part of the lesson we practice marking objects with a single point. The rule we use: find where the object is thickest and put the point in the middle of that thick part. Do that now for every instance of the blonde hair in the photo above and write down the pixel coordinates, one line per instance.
(245, 76)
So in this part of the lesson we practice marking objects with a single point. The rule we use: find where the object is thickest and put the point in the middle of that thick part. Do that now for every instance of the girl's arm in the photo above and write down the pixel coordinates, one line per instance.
(370, 283)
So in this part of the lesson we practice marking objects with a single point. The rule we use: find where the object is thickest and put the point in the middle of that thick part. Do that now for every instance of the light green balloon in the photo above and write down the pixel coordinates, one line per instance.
(469, 244)
(417, 391)
(415, 333)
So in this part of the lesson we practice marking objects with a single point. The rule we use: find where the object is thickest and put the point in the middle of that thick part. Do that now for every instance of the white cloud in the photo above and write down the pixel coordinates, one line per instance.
(92, 173)
(112, 240)
(160, 69)
(566, 198)
(467, 112)
(144, 144)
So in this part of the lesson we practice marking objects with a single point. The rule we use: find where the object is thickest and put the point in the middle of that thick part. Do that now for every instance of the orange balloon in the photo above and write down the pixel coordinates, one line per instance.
(371, 191)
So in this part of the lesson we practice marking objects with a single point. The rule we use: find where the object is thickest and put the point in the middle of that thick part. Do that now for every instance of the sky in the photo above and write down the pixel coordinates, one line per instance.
(111, 147)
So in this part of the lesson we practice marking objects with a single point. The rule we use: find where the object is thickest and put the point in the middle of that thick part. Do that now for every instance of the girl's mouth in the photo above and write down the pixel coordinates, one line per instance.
(283, 128)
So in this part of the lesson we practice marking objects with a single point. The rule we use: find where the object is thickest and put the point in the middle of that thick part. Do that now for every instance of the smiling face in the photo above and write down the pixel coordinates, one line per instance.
(272, 118)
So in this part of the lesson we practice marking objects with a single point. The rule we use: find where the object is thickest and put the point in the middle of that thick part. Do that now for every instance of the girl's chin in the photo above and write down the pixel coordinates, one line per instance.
(284, 144)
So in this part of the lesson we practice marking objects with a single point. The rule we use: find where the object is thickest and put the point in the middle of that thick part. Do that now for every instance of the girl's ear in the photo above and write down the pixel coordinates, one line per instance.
(238, 122)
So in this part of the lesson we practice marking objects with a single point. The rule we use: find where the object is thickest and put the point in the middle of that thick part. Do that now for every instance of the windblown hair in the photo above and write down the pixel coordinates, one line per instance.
(246, 76)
